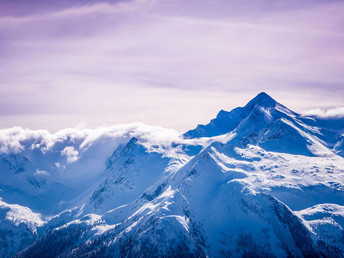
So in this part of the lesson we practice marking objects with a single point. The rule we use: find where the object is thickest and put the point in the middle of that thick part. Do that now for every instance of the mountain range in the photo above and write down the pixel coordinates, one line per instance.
(258, 181)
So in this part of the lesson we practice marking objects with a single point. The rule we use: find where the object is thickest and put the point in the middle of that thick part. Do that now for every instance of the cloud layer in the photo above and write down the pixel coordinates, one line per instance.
(172, 63)
(78, 153)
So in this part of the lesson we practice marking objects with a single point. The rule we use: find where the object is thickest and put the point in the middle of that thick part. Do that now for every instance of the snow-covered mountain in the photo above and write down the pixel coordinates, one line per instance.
(258, 181)
(269, 124)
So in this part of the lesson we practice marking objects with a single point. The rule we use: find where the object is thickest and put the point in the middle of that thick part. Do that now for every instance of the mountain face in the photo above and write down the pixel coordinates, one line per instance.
(266, 123)
(18, 228)
(130, 171)
(228, 121)
(258, 181)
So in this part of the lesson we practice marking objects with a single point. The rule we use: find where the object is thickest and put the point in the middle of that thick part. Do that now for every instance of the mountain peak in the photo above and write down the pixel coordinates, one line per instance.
(228, 121)
(263, 100)
(133, 141)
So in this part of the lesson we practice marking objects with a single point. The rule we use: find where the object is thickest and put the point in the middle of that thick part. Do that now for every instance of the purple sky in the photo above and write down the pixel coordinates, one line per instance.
(173, 63)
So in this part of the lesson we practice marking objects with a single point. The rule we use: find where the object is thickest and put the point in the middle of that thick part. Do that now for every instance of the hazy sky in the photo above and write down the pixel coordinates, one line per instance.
(173, 63)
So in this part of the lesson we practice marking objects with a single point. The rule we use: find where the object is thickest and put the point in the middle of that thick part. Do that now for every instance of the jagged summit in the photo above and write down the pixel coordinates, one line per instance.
(266, 123)
(263, 100)
(227, 121)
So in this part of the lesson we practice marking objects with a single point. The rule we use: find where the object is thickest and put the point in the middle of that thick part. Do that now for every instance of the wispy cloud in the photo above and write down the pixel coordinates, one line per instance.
(87, 62)
(332, 112)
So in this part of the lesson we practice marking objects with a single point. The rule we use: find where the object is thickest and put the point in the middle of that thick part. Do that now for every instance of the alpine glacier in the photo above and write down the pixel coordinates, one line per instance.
(258, 181)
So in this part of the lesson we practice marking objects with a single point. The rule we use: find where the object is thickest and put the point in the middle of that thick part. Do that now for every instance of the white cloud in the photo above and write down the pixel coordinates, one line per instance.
(41, 173)
(332, 112)
(80, 151)
(77, 157)
(13, 139)
(71, 153)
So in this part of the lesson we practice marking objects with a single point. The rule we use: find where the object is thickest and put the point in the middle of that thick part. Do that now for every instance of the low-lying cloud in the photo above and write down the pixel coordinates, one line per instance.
(324, 113)
(77, 152)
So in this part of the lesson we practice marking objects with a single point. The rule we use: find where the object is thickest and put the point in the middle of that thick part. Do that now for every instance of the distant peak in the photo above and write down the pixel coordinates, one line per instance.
(133, 140)
(263, 95)
(133, 143)
(263, 100)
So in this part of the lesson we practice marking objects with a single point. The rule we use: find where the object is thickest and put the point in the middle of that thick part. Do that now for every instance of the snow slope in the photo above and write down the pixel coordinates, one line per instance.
(18, 228)
(220, 203)
(130, 171)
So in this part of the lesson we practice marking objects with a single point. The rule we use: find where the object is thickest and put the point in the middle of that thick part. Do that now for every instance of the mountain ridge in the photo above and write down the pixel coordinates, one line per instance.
(269, 113)
(260, 180)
